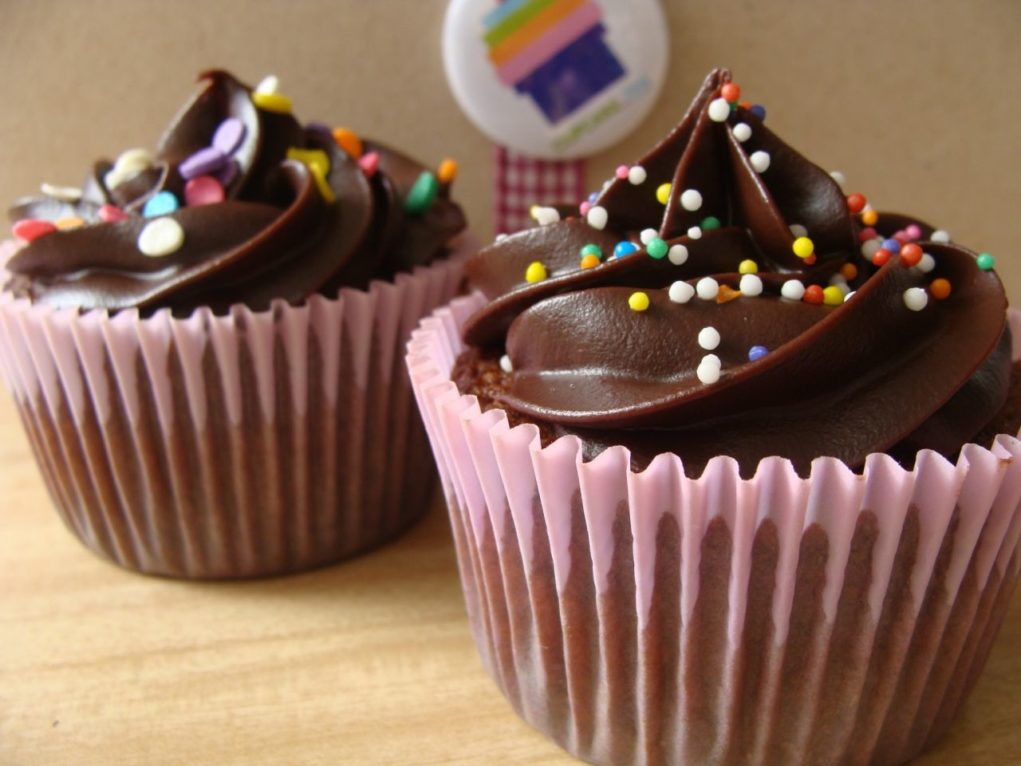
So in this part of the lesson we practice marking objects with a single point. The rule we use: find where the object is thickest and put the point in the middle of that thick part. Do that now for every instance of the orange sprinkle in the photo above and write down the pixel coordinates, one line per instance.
(810, 260)
(869, 217)
(447, 171)
(939, 289)
(589, 261)
(71, 222)
(349, 141)
(727, 294)
(849, 271)
(731, 92)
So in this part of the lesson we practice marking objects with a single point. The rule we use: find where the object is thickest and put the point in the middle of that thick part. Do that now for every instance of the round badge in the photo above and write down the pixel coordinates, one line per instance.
(555, 79)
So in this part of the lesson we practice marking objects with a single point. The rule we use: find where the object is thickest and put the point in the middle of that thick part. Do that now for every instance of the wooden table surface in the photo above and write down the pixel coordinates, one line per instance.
(370, 662)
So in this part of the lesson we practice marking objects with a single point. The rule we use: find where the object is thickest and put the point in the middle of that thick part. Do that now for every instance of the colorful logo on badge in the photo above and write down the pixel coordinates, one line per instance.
(552, 51)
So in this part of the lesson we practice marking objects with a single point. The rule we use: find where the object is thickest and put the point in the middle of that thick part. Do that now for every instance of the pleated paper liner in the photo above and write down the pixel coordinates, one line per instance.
(649, 618)
(249, 444)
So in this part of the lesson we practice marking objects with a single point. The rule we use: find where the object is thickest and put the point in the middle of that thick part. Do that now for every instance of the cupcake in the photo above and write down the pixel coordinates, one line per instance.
(204, 342)
(730, 460)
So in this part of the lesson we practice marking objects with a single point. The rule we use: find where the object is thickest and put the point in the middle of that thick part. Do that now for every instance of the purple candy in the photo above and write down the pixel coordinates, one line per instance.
(203, 163)
(227, 173)
(322, 130)
(229, 135)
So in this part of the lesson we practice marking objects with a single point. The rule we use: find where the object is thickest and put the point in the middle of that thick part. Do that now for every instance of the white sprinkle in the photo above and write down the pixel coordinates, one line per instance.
(648, 235)
(707, 372)
(849, 296)
(606, 184)
(695, 232)
(742, 131)
(760, 161)
(160, 237)
(926, 264)
(708, 338)
(868, 249)
(712, 359)
(597, 217)
(681, 292)
(793, 290)
(268, 84)
(545, 215)
(707, 288)
(719, 110)
(63, 193)
(677, 254)
(505, 364)
(915, 298)
(839, 177)
(797, 230)
(501, 237)
(691, 199)
(637, 175)
(750, 285)
(940, 235)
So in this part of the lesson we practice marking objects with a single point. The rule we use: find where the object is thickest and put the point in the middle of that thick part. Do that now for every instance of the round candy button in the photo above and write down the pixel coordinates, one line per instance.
(555, 79)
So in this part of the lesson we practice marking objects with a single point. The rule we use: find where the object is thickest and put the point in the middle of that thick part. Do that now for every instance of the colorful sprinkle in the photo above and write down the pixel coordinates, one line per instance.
(160, 237)
(228, 135)
(719, 110)
(637, 175)
(856, 203)
(914, 231)
(869, 217)
(731, 91)
(750, 285)
(759, 111)
(680, 292)
(755, 353)
(657, 248)
(760, 161)
(915, 298)
(748, 266)
(505, 364)
(621, 172)
(691, 199)
(940, 289)
(423, 193)
(161, 203)
(30, 229)
(793, 290)
(624, 248)
(310, 158)
(707, 288)
(708, 370)
(203, 190)
(638, 301)
(708, 338)
(814, 295)
(803, 247)
(369, 163)
(597, 217)
(985, 261)
(349, 141)
(447, 171)
(940, 235)
(68, 223)
(849, 271)
(727, 294)
(910, 255)
(881, 256)
(892, 245)
(109, 213)
(709, 223)
(272, 102)
(535, 272)
(584, 207)
(323, 185)
(592, 249)
(663, 193)
(589, 261)
(63, 193)
(833, 295)
(677, 255)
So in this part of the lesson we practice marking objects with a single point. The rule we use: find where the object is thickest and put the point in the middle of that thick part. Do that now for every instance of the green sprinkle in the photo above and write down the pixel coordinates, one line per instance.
(422, 194)
(591, 249)
(985, 261)
(657, 248)
(710, 223)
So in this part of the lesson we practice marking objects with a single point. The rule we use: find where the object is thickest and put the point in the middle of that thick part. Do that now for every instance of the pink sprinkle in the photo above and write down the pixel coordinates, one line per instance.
(866, 234)
(110, 213)
(902, 237)
(202, 190)
(914, 231)
(369, 163)
(28, 229)
(584, 207)
(621, 171)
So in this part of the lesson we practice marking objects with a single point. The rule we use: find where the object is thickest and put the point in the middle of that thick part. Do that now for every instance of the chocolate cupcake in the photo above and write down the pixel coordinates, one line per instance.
(730, 460)
(203, 341)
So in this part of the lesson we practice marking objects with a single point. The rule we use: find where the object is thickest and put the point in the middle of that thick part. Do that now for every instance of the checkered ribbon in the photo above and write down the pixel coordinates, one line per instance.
(525, 181)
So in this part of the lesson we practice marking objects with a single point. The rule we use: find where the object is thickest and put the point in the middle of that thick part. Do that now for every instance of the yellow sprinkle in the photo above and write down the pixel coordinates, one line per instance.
(748, 267)
(349, 141)
(447, 171)
(663, 193)
(803, 247)
(272, 102)
(311, 157)
(533, 211)
(321, 183)
(589, 261)
(869, 217)
(535, 272)
(638, 301)
(71, 222)
(832, 296)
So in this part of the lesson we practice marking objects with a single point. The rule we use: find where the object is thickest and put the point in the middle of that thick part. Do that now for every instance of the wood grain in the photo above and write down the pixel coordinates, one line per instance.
(370, 662)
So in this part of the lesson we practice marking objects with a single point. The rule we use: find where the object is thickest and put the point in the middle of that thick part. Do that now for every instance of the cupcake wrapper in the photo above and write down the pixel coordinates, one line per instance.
(650, 618)
(247, 444)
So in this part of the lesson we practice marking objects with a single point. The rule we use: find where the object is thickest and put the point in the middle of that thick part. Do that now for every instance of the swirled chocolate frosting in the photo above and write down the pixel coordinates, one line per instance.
(722, 296)
(252, 206)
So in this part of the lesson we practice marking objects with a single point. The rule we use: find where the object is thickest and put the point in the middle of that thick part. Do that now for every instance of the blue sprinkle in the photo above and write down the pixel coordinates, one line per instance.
(759, 111)
(624, 248)
(892, 245)
(757, 352)
(159, 204)
(593, 197)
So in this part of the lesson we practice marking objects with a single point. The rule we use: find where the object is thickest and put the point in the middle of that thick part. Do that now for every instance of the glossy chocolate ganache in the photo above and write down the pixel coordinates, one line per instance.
(723, 296)
(240, 203)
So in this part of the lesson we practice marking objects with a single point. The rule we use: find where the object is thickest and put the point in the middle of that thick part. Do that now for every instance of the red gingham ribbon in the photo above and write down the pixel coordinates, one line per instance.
(525, 181)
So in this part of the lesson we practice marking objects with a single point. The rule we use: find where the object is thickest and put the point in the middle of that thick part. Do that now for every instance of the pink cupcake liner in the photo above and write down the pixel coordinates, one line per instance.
(249, 444)
(649, 618)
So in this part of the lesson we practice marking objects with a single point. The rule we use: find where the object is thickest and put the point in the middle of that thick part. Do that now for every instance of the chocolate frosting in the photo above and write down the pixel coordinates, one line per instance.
(273, 236)
(866, 375)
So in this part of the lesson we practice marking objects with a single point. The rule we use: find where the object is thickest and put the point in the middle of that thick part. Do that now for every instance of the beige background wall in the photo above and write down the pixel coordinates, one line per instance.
(916, 101)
